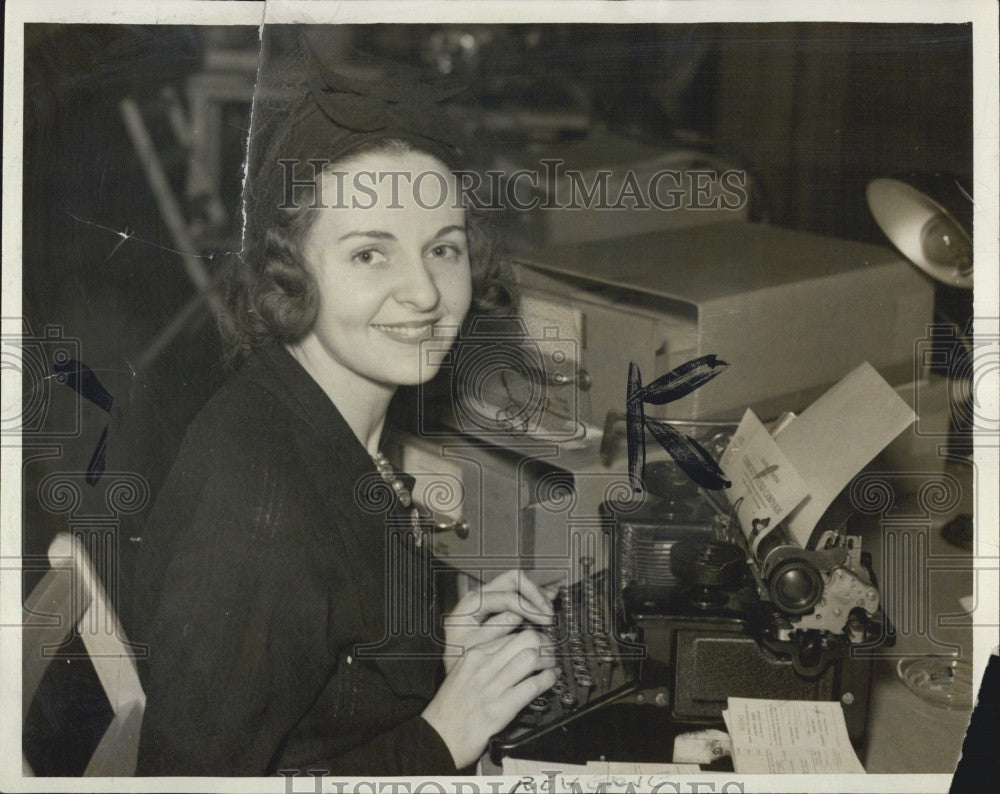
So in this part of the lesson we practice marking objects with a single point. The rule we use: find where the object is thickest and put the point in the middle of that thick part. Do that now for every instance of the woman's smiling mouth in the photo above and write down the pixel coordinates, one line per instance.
(410, 332)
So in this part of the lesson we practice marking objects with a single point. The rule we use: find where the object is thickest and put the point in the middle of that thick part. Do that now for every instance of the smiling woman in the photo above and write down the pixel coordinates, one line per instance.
(290, 616)
(406, 268)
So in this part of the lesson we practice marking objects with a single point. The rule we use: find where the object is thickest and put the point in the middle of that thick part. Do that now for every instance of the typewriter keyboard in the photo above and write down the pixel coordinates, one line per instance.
(595, 666)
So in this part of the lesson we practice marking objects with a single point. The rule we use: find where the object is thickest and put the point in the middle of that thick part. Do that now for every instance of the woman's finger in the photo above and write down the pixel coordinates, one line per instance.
(505, 581)
(485, 651)
(506, 618)
(512, 700)
(493, 603)
(519, 695)
(517, 656)
(535, 594)
(496, 627)
(520, 582)
(472, 618)
(524, 664)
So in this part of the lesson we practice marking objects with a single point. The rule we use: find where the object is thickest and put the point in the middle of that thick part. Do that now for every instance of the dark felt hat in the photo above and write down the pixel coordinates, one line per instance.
(348, 100)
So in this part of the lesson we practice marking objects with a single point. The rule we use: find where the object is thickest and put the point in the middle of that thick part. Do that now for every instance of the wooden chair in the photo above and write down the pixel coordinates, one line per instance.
(70, 598)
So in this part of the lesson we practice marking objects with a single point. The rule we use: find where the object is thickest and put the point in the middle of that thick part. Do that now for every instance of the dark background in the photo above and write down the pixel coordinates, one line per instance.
(812, 111)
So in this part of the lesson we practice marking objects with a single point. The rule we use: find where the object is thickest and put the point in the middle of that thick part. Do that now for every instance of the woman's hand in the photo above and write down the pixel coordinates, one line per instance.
(486, 688)
(493, 611)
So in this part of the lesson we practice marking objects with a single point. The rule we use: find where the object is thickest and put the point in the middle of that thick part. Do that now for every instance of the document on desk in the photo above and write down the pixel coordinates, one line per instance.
(789, 737)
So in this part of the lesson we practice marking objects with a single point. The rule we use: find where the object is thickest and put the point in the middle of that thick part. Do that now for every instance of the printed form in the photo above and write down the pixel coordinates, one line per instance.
(790, 737)
(766, 487)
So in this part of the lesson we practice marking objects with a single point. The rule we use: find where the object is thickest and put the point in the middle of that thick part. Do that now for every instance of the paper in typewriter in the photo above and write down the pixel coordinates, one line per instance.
(765, 486)
(795, 475)
(789, 737)
(836, 436)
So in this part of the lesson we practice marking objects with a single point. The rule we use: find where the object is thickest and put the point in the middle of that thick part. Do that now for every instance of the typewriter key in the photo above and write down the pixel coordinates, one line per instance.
(539, 704)
(567, 698)
(584, 680)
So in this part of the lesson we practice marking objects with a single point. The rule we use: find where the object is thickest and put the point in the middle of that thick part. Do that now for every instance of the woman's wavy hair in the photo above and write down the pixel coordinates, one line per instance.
(271, 297)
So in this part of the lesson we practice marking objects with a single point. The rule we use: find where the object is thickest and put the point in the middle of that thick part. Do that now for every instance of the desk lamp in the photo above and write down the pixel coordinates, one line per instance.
(927, 235)
(923, 231)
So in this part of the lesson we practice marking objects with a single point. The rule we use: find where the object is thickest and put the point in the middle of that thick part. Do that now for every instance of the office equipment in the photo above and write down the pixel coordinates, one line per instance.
(713, 604)
(923, 230)
(719, 630)
(694, 625)
(933, 240)
(634, 727)
(594, 664)
(609, 186)
(789, 311)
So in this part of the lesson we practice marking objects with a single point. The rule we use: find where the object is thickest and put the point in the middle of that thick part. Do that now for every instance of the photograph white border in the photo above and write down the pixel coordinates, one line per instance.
(983, 16)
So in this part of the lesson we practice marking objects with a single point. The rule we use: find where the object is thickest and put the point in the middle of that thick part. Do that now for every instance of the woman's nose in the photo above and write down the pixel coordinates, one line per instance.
(417, 287)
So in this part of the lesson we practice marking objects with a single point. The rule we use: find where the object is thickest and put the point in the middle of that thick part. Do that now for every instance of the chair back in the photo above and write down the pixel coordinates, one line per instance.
(71, 599)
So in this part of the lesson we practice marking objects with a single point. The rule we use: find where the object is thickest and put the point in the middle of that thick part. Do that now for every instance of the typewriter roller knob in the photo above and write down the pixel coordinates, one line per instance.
(795, 585)
(709, 567)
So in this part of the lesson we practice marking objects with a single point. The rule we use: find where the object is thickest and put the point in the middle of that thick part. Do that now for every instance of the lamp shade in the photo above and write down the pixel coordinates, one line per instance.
(923, 231)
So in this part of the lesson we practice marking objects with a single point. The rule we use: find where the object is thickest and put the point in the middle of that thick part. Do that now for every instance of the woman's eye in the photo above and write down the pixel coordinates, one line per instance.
(368, 256)
(445, 251)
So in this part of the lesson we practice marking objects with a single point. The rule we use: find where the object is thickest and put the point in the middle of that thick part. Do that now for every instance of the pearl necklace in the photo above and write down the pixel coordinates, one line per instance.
(388, 473)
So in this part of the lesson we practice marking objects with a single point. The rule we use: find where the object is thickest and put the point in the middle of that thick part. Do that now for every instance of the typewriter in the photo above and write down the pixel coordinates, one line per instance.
(686, 618)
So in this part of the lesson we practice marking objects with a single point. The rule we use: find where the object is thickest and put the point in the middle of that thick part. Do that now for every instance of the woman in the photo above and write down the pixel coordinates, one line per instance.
(272, 573)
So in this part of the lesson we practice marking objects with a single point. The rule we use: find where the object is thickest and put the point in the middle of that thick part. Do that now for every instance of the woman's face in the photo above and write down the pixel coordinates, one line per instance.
(392, 266)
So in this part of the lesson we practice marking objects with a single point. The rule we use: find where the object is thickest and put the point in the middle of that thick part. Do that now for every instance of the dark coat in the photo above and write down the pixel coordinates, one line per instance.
(267, 564)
